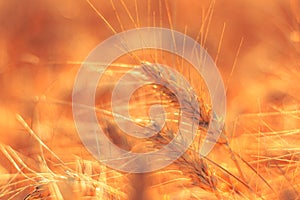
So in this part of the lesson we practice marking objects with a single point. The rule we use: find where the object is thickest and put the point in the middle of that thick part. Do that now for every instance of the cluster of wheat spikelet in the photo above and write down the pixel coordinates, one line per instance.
(255, 45)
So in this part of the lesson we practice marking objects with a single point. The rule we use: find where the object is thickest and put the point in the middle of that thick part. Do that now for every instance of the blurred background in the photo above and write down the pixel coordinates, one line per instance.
(256, 46)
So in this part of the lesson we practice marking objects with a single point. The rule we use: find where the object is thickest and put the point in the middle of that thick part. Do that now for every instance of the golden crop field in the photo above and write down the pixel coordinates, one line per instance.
(254, 44)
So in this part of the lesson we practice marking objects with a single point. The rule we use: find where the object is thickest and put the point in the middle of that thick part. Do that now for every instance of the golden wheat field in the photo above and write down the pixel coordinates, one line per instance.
(256, 47)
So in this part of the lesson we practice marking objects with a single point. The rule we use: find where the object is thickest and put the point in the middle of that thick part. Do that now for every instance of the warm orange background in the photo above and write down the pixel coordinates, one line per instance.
(256, 45)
